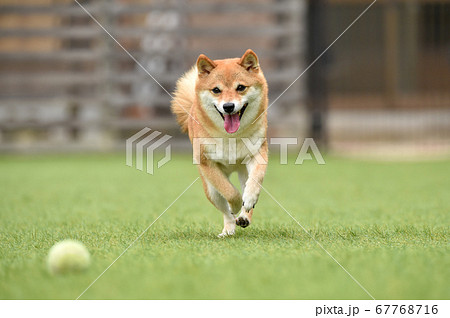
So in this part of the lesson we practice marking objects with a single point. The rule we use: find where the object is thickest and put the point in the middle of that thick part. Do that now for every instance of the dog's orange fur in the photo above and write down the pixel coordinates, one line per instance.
(193, 105)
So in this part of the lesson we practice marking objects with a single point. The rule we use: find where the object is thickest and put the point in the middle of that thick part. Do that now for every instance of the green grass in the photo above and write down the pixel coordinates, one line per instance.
(386, 223)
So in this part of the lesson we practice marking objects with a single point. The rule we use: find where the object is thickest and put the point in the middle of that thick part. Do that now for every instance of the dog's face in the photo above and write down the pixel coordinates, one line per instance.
(231, 92)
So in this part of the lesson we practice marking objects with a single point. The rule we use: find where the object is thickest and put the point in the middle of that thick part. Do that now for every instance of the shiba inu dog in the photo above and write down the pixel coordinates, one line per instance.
(222, 105)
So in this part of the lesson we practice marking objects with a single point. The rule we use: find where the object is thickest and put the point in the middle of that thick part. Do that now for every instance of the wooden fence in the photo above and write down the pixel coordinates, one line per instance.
(65, 83)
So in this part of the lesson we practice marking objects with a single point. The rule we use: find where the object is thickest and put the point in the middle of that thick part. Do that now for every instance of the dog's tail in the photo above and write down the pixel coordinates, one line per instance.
(184, 97)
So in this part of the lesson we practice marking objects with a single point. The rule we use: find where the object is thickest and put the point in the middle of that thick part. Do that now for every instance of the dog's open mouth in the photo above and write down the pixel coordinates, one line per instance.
(232, 121)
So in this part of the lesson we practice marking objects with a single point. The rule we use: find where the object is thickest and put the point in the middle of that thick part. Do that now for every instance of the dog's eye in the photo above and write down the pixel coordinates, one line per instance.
(216, 90)
(241, 88)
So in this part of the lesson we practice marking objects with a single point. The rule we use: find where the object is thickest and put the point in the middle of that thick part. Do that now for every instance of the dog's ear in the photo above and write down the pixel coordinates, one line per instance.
(249, 61)
(205, 65)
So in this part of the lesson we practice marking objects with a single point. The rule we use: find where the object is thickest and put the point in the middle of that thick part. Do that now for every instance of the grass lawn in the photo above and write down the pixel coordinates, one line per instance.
(386, 223)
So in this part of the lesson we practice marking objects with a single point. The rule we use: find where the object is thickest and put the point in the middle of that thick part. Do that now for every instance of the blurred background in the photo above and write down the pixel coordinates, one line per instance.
(382, 90)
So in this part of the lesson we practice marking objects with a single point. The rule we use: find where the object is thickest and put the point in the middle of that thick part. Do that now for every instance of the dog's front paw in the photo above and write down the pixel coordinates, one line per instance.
(228, 230)
(226, 233)
(245, 218)
(242, 221)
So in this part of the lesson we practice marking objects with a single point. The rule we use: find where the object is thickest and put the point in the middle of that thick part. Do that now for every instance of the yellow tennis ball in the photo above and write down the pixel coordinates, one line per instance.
(68, 256)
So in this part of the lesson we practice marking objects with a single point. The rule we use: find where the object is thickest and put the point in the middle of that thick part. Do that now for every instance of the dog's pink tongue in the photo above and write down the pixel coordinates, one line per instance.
(232, 123)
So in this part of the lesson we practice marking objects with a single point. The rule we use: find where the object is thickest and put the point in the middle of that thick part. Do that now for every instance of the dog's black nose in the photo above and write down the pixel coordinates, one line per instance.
(228, 107)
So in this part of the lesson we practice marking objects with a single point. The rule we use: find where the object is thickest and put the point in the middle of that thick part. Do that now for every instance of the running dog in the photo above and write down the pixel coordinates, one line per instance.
(221, 105)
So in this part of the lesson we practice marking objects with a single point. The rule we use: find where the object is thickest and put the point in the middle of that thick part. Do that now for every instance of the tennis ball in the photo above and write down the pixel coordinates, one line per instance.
(68, 256)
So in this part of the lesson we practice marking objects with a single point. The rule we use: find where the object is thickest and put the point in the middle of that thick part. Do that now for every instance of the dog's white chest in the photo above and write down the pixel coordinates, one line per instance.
(231, 151)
